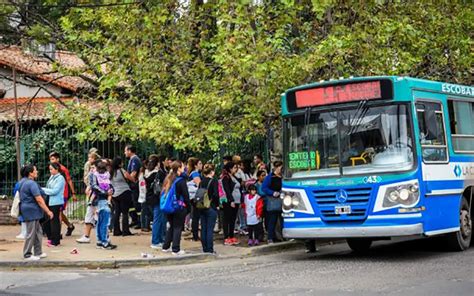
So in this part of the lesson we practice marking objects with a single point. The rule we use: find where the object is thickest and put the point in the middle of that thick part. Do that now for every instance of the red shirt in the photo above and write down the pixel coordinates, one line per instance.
(68, 179)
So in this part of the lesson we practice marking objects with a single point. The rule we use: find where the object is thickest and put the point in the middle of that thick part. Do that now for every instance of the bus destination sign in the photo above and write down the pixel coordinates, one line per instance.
(338, 94)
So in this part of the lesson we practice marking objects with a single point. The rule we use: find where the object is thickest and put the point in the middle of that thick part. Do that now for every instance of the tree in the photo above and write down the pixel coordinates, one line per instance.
(194, 74)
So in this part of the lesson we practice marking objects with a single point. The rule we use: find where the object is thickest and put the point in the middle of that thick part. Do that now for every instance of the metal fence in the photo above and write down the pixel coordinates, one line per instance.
(38, 140)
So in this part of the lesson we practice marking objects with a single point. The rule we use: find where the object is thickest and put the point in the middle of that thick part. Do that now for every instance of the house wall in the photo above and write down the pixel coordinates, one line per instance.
(23, 90)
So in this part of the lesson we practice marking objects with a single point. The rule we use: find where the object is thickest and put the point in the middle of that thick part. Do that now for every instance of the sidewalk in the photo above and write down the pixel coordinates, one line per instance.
(129, 252)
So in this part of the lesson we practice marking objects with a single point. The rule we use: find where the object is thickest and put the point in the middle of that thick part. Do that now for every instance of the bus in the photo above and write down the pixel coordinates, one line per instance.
(373, 158)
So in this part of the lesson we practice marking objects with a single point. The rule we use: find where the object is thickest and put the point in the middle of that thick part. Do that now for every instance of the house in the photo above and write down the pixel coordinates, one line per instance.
(37, 84)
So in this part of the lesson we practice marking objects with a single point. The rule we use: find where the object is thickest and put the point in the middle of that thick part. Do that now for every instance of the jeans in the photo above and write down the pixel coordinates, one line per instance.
(173, 234)
(208, 221)
(159, 226)
(272, 218)
(146, 216)
(242, 222)
(102, 232)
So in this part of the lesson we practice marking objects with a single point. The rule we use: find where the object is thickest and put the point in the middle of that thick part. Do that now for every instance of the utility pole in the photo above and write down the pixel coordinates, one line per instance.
(17, 127)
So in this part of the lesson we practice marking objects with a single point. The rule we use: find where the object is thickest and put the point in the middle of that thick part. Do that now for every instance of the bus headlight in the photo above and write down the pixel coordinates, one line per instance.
(403, 194)
(293, 201)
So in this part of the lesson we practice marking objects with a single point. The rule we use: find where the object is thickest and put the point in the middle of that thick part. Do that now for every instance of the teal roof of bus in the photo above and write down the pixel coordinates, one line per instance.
(401, 83)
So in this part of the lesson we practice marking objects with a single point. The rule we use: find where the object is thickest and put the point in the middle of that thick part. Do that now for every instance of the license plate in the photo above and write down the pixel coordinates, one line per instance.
(342, 210)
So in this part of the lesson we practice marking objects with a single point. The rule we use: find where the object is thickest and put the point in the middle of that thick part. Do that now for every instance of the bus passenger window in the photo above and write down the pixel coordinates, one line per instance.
(432, 134)
(461, 115)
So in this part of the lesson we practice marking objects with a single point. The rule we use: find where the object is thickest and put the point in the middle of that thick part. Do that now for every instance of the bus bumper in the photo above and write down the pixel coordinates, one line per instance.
(343, 232)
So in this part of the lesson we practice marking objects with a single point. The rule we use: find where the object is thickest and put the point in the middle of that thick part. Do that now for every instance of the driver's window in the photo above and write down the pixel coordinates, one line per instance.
(432, 132)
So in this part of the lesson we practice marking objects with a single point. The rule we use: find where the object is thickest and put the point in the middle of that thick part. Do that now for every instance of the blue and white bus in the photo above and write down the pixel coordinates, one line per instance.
(378, 157)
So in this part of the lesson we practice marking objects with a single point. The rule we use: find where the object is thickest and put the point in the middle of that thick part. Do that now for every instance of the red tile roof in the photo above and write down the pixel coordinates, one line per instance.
(36, 109)
(14, 56)
(28, 109)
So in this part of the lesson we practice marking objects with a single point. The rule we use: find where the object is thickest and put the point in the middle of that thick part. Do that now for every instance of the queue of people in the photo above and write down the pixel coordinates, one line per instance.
(241, 200)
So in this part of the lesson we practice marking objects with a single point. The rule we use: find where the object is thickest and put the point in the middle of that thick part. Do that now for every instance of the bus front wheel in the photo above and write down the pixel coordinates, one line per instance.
(359, 245)
(460, 240)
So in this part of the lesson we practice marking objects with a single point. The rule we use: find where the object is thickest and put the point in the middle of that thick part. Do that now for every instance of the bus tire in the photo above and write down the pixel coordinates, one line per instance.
(461, 240)
(359, 245)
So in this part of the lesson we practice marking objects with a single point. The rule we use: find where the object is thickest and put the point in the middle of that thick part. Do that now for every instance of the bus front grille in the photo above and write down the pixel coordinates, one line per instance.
(357, 198)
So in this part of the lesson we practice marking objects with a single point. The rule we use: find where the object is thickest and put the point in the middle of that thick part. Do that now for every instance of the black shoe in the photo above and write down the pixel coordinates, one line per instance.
(118, 233)
(137, 227)
(109, 246)
(128, 234)
(70, 230)
(133, 224)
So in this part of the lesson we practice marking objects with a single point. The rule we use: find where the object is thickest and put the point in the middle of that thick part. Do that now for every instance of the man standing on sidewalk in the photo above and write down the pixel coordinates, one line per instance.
(68, 191)
(133, 168)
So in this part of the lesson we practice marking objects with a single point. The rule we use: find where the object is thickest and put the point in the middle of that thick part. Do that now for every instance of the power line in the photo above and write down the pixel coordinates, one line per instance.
(75, 6)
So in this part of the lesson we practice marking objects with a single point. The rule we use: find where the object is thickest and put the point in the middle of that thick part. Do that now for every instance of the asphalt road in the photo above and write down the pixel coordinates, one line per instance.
(403, 268)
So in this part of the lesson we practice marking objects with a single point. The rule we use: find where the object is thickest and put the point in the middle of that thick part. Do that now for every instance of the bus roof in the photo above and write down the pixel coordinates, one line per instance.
(398, 81)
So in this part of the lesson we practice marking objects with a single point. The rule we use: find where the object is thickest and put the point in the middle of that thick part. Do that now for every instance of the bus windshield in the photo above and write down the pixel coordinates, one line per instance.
(362, 140)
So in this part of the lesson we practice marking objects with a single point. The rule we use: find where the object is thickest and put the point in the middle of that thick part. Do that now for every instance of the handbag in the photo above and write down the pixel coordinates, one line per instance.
(15, 210)
(273, 204)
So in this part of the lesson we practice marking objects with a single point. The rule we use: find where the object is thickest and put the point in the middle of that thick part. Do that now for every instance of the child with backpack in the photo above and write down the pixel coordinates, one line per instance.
(103, 190)
(207, 202)
(253, 207)
(174, 201)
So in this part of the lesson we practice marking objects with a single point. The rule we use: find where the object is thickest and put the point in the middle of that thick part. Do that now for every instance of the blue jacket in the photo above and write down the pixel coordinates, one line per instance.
(55, 189)
(266, 185)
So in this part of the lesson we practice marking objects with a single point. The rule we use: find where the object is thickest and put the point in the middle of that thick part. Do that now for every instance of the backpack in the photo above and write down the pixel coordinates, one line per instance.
(141, 189)
(156, 186)
(221, 192)
(203, 201)
(169, 202)
(192, 189)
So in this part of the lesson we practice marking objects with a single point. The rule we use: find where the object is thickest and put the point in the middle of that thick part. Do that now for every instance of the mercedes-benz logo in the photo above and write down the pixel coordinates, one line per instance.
(341, 196)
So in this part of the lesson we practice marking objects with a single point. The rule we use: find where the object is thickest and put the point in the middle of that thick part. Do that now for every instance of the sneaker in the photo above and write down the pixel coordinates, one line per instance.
(70, 230)
(32, 258)
(250, 243)
(42, 256)
(20, 236)
(166, 250)
(234, 241)
(181, 252)
(156, 247)
(109, 246)
(227, 242)
(99, 245)
(83, 240)
(256, 242)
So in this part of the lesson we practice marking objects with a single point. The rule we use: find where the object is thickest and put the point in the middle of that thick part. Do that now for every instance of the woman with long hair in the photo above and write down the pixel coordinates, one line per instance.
(54, 189)
(271, 186)
(149, 174)
(122, 198)
(159, 219)
(194, 169)
(230, 206)
(176, 220)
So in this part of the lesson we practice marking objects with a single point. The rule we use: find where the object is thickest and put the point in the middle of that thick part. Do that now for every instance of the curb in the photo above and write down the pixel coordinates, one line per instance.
(285, 246)
(111, 264)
